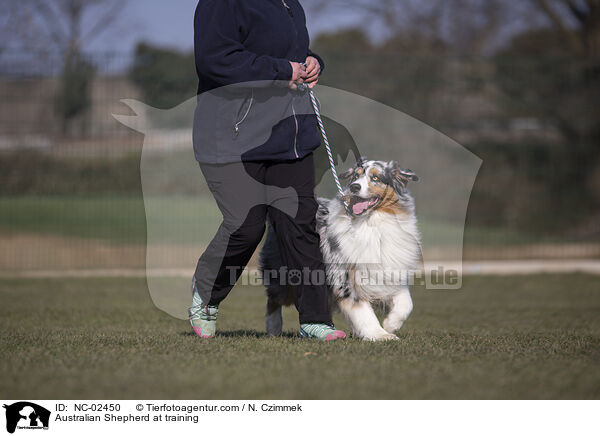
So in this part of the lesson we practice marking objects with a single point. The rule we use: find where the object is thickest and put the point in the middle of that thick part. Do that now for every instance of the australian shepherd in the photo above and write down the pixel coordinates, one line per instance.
(370, 244)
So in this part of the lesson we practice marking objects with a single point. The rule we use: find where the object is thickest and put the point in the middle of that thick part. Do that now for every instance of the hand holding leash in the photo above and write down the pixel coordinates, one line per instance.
(313, 70)
(298, 75)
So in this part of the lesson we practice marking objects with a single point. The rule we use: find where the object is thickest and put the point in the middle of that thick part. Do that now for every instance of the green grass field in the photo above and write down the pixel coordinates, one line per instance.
(500, 337)
(123, 220)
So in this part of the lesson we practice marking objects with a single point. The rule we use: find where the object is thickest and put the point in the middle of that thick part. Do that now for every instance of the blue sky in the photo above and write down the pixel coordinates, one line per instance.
(170, 23)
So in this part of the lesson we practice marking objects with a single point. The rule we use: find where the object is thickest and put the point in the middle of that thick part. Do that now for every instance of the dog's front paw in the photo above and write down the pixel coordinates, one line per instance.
(391, 326)
(388, 337)
(382, 336)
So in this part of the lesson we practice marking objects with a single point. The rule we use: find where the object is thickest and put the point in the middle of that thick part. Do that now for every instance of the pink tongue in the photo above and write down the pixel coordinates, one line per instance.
(358, 208)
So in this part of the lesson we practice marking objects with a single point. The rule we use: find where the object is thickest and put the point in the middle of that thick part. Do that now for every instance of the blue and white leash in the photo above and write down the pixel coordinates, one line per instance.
(313, 99)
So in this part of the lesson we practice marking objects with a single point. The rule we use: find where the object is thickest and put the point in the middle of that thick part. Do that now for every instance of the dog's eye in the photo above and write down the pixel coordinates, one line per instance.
(375, 179)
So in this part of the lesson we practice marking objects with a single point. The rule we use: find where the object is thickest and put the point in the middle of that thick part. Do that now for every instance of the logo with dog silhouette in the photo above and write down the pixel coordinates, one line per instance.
(26, 415)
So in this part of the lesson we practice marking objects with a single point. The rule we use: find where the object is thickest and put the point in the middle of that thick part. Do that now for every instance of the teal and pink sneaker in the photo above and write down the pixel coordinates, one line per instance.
(202, 316)
(204, 320)
(322, 332)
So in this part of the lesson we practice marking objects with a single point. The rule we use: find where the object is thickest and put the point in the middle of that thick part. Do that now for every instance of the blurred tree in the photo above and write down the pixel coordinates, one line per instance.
(553, 74)
(73, 99)
(352, 40)
(465, 27)
(533, 61)
(59, 25)
(566, 67)
(544, 41)
(577, 20)
(165, 77)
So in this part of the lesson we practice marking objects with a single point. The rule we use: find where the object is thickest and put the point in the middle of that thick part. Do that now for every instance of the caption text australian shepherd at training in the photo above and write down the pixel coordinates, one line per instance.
(376, 236)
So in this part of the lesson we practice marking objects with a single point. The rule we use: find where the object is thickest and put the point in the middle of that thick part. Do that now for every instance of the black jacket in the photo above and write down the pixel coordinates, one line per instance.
(240, 41)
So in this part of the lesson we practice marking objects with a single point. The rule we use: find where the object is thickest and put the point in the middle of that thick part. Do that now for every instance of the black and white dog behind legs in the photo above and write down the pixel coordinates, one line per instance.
(369, 254)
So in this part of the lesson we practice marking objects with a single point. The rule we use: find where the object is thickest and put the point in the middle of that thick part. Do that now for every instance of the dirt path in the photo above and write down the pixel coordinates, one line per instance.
(502, 267)
(35, 255)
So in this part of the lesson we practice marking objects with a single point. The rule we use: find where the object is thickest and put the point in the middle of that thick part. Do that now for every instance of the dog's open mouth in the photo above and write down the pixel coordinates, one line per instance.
(362, 205)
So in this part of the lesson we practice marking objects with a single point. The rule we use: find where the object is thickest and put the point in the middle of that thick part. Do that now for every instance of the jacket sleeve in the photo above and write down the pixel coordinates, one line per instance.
(319, 59)
(220, 54)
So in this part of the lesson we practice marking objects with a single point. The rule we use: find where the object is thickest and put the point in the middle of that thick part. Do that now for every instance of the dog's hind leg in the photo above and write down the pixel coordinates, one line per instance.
(363, 320)
(401, 308)
(273, 318)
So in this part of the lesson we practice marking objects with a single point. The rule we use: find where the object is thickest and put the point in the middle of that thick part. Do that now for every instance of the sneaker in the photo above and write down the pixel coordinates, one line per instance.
(203, 317)
(322, 332)
(204, 320)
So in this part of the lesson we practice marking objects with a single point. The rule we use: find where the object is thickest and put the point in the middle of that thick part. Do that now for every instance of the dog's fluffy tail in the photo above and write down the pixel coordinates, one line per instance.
(270, 262)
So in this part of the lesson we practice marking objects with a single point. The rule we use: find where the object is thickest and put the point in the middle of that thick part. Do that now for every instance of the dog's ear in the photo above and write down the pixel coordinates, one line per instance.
(401, 177)
(409, 175)
(361, 161)
(347, 174)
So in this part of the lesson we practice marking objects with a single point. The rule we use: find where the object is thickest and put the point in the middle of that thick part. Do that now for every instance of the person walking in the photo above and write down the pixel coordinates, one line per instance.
(263, 42)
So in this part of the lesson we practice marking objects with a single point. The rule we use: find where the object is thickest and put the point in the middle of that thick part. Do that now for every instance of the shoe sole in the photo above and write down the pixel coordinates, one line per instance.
(200, 334)
(330, 337)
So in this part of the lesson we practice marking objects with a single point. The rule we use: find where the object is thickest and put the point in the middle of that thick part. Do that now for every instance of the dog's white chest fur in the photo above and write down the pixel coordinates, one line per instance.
(378, 249)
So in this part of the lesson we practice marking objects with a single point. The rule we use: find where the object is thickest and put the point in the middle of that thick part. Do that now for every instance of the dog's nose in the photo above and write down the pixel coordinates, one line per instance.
(355, 187)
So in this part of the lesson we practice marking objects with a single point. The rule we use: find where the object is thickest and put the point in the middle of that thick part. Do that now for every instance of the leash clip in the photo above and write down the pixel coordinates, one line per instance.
(302, 87)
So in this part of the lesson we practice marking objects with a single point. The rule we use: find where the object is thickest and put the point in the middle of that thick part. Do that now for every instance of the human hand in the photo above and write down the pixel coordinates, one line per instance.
(298, 75)
(313, 70)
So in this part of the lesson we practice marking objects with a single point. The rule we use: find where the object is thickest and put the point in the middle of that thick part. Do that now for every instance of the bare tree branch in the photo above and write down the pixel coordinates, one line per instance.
(103, 23)
(464, 26)
(558, 21)
(58, 22)
(51, 21)
(577, 11)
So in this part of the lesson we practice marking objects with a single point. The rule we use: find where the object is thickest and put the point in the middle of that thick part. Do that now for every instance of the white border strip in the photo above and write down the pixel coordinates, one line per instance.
(301, 418)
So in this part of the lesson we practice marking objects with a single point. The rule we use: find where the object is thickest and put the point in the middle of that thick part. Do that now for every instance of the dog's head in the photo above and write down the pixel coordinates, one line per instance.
(378, 186)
